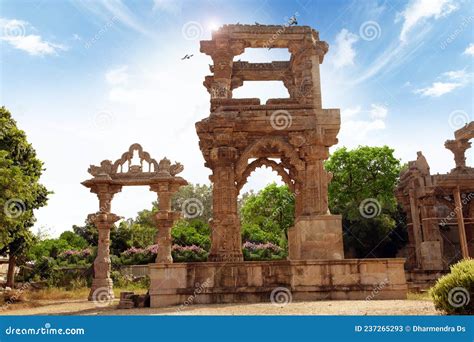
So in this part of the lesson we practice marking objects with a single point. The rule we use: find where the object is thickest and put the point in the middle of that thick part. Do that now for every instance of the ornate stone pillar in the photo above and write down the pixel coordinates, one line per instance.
(102, 285)
(164, 221)
(305, 68)
(222, 52)
(316, 234)
(431, 247)
(417, 233)
(226, 237)
(316, 180)
(458, 147)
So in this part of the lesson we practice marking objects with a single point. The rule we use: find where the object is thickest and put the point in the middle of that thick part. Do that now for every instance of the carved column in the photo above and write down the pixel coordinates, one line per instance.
(458, 147)
(222, 52)
(461, 226)
(316, 179)
(105, 192)
(305, 68)
(164, 221)
(102, 285)
(226, 237)
(417, 233)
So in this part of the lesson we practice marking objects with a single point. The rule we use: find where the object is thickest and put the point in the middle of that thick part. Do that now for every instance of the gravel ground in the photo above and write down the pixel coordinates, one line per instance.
(349, 307)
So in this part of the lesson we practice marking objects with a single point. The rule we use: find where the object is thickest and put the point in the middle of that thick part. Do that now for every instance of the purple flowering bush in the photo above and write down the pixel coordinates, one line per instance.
(141, 256)
(188, 253)
(262, 251)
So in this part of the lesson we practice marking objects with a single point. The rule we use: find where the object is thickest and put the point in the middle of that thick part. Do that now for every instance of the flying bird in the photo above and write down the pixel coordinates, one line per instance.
(292, 21)
(186, 57)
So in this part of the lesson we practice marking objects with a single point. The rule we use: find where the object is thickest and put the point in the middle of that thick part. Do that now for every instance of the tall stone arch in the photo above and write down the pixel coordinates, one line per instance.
(297, 130)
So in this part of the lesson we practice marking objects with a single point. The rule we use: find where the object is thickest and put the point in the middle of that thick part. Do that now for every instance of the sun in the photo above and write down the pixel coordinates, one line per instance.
(213, 26)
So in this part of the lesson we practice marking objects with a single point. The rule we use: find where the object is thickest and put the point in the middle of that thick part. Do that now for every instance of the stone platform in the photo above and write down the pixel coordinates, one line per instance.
(250, 282)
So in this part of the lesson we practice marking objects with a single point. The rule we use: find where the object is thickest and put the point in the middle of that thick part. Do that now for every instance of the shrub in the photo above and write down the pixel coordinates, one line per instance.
(454, 292)
(143, 256)
(138, 256)
(188, 253)
(128, 282)
(76, 257)
(14, 296)
(262, 251)
(191, 232)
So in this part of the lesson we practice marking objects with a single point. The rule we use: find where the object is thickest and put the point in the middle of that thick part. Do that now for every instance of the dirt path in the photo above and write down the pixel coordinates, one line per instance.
(374, 307)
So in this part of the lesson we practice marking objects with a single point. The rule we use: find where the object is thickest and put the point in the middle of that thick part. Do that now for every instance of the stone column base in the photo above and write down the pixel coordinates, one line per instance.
(101, 290)
(316, 237)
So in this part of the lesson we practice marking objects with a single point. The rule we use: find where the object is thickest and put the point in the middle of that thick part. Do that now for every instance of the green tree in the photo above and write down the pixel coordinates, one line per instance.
(20, 158)
(362, 191)
(194, 201)
(267, 215)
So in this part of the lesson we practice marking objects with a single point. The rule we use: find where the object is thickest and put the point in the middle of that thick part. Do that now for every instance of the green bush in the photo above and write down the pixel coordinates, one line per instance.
(454, 292)
(122, 281)
(262, 251)
(192, 232)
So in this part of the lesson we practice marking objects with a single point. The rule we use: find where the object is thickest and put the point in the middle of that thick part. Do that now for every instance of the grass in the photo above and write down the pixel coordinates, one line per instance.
(419, 296)
(80, 293)
(36, 298)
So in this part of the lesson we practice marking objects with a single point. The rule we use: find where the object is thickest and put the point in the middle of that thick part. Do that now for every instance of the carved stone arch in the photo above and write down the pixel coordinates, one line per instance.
(279, 168)
(268, 144)
(128, 156)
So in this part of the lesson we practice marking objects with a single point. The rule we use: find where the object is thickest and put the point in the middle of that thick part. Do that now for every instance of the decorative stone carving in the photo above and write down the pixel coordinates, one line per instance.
(108, 180)
(434, 203)
(295, 130)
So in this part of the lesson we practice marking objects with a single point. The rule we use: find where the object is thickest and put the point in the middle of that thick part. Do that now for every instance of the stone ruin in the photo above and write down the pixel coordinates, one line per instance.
(292, 136)
(440, 212)
(108, 179)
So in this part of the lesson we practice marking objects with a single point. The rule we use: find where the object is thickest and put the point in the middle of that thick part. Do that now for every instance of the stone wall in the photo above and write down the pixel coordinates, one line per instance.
(247, 282)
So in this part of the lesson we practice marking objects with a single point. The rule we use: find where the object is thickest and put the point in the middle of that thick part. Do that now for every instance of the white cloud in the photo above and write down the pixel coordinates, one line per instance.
(378, 111)
(344, 52)
(469, 50)
(452, 80)
(14, 32)
(116, 10)
(418, 11)
(169, 6)
(357, 123)
(437, 89)
(117, 76)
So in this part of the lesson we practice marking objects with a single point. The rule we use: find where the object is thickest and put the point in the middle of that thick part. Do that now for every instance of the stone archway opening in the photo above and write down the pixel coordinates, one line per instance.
(265, 227)
(135, 168)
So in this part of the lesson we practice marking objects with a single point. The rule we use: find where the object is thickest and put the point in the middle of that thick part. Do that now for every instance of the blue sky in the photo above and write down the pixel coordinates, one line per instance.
(86, 79)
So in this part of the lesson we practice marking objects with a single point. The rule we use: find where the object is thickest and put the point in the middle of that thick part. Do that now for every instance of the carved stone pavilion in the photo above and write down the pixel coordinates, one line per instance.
(241, 135)
(440, 212)
(108, 179)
